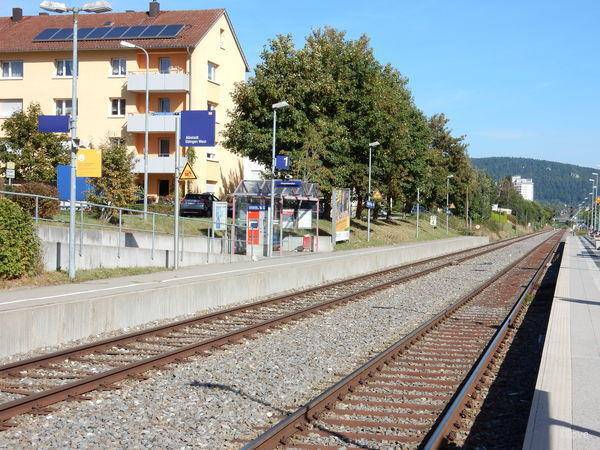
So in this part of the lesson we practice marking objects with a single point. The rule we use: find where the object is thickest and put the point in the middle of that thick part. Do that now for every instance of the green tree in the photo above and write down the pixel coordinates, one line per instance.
(116, 186)
(35, 154)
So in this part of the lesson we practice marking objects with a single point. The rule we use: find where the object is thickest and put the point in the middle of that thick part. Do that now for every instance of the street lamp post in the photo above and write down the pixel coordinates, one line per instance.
(590, 195)
(57, 7)
(275, 106)
(131, 45)
(448, 199)
(371, 146)
(596, 212)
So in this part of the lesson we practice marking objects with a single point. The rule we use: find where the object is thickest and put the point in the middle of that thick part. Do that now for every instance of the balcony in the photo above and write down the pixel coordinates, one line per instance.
(157, 123)
(157, 164)
(158, 82)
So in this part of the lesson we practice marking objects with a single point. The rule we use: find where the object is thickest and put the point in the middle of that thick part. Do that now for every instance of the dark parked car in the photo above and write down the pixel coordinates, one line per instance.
(421, 208)
(197, 205)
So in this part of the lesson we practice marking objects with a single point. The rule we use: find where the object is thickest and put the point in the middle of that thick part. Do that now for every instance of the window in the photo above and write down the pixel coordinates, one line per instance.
(213, 107)
(64, 106)
(211, 156)
(118, 107)
(164, 105)
(64, 68)
(211, 187)
(12, 69)
(116, 141)
(163, 147)
(222, 39)
(119, 67)
(10, 106)
(212, 72)
(164, 65)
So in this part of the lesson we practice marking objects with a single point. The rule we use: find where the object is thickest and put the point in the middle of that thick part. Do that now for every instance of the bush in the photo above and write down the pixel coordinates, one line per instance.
(19, 244)
(47, 208)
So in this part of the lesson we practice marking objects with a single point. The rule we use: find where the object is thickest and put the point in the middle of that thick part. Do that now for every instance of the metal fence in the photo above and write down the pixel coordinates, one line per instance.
(155, 224)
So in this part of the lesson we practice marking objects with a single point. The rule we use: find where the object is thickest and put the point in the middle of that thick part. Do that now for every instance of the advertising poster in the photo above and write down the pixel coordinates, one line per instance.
(340, 212)
(219, 216)
(287, 218)
(304, 218)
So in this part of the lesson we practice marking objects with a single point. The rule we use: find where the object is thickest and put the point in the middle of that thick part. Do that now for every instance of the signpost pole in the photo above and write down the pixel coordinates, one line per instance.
(333, 215)
(369, 198)
(73, 193)
(271, 216)
(418, 209)
(176, 177)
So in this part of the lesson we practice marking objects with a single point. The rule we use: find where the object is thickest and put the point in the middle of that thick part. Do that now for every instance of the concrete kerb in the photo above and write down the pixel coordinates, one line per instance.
(26, 328)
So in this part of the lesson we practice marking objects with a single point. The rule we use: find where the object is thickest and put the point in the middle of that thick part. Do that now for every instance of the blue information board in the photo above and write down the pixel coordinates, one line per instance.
(369, 204)
(63, 184)
(53, 124)
(197, 129)
(282, 162)
(288, 183)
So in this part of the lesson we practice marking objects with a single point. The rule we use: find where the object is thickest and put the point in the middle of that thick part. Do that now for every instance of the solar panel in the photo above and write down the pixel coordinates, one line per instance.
(152, 31)
(98, 33)
(82, 33)
(170, 31)
(105, 33)
(46, 34)
(134, 32)
(63, 34)
(116, 32)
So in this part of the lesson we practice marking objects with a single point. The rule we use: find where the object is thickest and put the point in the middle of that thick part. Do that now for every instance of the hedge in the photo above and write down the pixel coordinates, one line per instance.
(19, 245)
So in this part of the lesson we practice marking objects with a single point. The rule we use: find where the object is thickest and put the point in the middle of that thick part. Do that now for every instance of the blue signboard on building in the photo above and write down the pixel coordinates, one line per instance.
(282, 162)
(288, 183)
(53, 124)
(252, 207)
(63, 184)
(197, 129)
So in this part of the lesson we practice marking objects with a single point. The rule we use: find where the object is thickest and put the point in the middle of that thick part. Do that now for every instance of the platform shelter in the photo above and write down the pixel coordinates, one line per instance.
(296, 216)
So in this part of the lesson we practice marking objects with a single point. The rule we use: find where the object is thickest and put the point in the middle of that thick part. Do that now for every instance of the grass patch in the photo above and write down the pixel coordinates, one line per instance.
(54, 278)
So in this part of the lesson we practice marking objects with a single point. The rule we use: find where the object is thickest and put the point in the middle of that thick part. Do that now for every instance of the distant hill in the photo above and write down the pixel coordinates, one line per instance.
(554, 182)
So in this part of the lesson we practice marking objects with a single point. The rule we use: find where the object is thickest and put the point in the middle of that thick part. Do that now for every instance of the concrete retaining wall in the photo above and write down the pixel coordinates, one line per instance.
(55, 319)
(56, 257)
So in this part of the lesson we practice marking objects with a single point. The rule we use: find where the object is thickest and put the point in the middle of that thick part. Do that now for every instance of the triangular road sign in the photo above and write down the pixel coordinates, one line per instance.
(187, 173)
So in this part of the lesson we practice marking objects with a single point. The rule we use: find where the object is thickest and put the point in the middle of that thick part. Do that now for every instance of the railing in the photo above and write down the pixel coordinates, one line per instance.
(156, 224)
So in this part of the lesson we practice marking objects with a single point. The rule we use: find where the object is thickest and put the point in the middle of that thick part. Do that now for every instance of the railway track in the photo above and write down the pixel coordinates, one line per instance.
(32, 385)
(411, 394)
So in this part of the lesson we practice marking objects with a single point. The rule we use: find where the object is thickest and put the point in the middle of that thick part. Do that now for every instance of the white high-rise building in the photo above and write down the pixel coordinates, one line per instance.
(523, 186)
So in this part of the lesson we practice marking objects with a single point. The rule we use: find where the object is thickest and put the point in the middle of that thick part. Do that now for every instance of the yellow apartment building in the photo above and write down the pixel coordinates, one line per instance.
(195, 60)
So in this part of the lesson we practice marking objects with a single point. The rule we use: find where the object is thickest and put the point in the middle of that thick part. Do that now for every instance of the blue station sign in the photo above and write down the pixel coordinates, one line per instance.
(288, 183)
(282, 162)
(53, 124)
(197, 129)
(370, 204)
(253, 207)
(63, 184)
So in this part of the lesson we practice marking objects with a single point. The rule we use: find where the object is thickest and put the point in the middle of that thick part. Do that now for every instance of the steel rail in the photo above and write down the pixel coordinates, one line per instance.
(43, 399)
(295, 422)
(437, 435)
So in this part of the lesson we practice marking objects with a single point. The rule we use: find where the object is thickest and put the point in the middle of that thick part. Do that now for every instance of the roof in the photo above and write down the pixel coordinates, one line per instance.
(262, 188)
(18, 36)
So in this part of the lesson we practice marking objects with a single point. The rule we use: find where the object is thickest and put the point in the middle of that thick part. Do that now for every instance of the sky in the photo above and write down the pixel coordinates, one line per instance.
(517, 78)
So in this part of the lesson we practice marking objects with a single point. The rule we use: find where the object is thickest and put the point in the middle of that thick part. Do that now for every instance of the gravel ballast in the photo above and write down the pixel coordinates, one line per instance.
(219, 401)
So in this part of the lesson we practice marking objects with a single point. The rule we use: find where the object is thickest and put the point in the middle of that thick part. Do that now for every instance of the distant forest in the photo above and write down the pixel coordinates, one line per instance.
(554, 183)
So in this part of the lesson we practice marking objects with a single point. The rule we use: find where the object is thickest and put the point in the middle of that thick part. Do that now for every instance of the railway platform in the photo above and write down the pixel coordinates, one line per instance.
(48, 316)
(565, 412)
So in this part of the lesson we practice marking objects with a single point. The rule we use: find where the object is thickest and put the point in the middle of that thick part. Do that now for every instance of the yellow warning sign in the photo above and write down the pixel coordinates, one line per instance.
(187, 173)
(89, 163)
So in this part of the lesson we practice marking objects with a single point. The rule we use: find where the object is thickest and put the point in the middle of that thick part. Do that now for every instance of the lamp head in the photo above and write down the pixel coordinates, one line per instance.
(281, 104)
(97, 7)
(127, 44)
(57, 7)
(450, 176)
(374, 144)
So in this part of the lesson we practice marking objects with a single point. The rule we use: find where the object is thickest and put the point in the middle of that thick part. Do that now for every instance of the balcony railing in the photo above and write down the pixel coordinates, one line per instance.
(157, 123)
(157, 164)
(173, 81)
